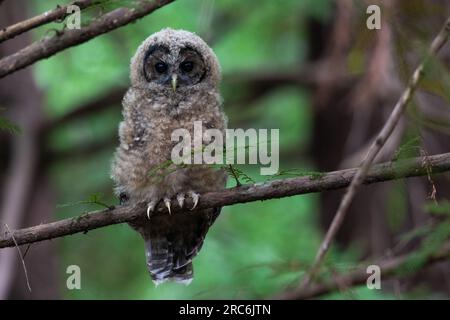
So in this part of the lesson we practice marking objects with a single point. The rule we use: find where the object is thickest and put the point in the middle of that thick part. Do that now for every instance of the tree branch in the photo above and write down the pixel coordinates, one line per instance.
(59, 13)
(50, 45)
(104, 101)
(374, 149)
(260, 191)
(256, 83)
(388, 268)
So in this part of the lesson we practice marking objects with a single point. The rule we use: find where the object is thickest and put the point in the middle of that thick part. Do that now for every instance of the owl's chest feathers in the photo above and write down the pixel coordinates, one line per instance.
(152, 124)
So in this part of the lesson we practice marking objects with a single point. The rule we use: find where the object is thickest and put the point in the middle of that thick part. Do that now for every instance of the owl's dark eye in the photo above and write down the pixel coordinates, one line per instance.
(160, 67)
(187, 66)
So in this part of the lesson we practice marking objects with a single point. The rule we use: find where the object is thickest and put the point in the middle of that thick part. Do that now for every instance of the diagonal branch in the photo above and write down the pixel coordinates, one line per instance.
(388, 268)
(59, 13)
(68, 38)
(104, 101)
(260, 191)
(374, 149)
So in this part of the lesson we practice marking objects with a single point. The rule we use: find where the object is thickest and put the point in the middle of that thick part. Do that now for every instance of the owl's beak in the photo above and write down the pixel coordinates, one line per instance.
(174, 82)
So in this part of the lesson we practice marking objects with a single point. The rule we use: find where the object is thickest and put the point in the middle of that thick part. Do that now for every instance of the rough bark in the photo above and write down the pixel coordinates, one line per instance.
(262, 191)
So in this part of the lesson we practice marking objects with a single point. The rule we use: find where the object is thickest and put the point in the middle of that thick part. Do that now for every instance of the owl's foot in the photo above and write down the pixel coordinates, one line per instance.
(181, 197)
(167, 203)
(150, 207)
(195, 197)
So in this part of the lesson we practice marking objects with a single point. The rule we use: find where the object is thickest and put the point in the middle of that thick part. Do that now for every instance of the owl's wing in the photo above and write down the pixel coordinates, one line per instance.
(193, 242)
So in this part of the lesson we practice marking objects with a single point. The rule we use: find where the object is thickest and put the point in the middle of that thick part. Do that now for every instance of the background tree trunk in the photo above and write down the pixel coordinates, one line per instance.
(26, 196)
(346, 119)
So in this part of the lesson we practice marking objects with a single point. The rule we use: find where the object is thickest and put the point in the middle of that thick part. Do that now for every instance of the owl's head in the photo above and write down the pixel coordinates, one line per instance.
(172, 60)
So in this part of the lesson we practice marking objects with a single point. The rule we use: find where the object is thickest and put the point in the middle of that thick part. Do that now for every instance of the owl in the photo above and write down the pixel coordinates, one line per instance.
(174, 81)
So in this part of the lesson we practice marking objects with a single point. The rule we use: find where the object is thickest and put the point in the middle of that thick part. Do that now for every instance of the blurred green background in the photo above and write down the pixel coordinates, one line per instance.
(254, 250)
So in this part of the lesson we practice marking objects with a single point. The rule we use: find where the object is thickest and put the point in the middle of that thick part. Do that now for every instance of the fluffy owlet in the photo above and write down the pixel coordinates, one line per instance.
(174, 82)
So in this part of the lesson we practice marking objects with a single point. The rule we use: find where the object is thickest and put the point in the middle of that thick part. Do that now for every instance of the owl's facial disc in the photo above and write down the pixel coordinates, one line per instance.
(156, 64)
(173, 70)
(191, 68)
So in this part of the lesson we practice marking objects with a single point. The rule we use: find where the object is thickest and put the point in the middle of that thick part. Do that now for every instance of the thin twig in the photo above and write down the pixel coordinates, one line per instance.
(433, 192)
(341, 283)
(26, 251)
(59, 13)
(48, 46)
(21, 257)
(388, 267)
(233, 173)
(376, 146)
(16, 192)
(243, 194)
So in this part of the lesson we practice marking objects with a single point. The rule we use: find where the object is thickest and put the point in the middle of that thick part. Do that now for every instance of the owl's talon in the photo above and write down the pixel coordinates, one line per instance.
(180, 199)
(195, 197)
(150, 208)
(167, 203)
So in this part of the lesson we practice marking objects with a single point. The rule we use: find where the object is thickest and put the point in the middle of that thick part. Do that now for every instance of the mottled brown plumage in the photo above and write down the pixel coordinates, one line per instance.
(152, 109)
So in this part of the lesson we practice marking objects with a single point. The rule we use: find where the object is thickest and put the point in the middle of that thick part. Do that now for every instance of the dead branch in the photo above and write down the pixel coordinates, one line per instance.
(257, 84)
(59, 13)
(359, 276)
(22, 258)
(48, 46)
(374, 149)
(247, 193)
(105, 101)
(14, 198)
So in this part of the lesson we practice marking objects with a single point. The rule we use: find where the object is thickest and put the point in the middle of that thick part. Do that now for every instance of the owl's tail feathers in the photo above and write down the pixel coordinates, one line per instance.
(184, 274)
(166, 264)
(172, 242)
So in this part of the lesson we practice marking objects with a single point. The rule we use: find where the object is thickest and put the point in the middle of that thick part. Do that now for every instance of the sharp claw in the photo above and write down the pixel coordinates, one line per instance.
(150, 208)
(180, 198)
(195, 197)
(167, 203)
